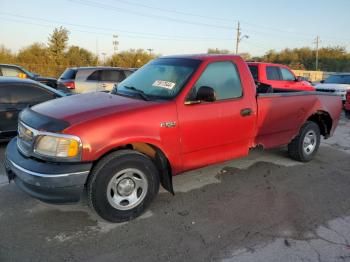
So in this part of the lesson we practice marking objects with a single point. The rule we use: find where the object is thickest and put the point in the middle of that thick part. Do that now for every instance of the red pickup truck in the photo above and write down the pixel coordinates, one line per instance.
(172, 115)
(278, 76)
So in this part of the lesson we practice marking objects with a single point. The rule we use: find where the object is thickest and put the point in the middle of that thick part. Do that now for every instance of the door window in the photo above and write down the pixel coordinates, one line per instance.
(223, 77)
(11, 72)
(29, 94)
(273, 73)
(111, 76)
(95, 76)
(287, 75)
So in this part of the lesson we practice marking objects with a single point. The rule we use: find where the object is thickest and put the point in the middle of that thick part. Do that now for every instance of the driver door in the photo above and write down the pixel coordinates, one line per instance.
(216, 131)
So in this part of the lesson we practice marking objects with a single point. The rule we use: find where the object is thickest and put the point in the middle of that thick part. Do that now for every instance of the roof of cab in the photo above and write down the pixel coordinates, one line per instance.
(265, 63)
(15, 80)
(202, 56)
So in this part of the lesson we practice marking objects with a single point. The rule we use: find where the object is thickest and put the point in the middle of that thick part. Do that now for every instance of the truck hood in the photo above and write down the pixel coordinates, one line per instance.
(341, 87)
(80, 108)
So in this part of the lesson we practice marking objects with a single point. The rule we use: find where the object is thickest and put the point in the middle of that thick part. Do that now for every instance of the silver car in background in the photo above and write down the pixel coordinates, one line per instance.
(92, 79)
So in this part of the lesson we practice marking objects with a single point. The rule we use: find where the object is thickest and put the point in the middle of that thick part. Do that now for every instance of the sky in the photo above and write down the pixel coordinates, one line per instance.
(177, 27)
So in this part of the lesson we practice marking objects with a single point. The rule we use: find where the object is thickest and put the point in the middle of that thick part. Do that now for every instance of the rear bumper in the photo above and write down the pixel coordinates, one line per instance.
(49, 182)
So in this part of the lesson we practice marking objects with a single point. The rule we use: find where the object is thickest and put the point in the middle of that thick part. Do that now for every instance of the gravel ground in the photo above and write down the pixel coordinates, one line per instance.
(265, 207)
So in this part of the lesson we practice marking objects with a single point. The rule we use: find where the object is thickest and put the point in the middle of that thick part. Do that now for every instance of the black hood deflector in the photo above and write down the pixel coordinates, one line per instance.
(41, 122)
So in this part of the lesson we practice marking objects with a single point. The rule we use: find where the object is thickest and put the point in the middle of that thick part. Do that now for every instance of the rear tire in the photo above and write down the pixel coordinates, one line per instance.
(305, 145)
(122, 185)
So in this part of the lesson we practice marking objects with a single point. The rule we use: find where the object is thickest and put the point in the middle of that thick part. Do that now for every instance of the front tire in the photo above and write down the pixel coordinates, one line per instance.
(122, 185)
(305, 145)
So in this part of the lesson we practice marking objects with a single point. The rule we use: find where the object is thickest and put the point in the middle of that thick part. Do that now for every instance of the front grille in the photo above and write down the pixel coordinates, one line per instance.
(326, 90)
(25, 139)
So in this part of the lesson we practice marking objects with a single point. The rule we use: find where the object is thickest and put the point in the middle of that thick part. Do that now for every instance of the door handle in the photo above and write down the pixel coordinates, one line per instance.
(246, 112)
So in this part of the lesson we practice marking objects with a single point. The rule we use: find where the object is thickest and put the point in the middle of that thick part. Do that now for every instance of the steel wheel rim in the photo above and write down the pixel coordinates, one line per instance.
(310, 142)
(127, 189)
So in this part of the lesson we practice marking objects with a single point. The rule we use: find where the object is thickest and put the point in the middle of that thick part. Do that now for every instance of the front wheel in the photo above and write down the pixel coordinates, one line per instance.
(305, 145)
(122, 185)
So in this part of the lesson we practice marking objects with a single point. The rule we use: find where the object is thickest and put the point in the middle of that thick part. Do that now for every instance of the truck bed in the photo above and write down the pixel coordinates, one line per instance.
(281, 114)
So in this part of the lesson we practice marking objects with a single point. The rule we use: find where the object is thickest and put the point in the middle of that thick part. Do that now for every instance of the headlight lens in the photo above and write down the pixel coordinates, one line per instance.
(57, 147)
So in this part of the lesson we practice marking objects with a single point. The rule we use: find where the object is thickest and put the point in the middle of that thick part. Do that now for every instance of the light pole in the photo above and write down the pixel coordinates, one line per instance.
(239, 37)
(317, 42)
(104, 57)
(150, 50)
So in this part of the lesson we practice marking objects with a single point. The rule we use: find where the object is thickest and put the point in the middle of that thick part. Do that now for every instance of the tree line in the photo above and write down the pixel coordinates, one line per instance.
(52, 58)
(330, 59)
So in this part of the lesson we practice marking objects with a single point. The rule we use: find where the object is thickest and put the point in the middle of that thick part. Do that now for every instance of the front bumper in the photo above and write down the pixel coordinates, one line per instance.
(49, 182)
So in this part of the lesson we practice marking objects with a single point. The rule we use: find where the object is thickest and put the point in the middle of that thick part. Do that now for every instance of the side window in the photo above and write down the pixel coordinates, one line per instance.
(287, 75)
(95, 76)
(4, 95)
(128, 73)
(12, 72)
(224, 78)
(29, 94)
(111, 75)
(272, 73)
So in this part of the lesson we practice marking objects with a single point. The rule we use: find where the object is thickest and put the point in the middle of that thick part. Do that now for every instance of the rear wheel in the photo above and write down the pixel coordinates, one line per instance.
(305, 145)
(122, 185)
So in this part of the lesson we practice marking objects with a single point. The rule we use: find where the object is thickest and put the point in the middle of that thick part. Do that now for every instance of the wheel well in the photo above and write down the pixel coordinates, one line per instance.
(324, 122)
(159, 159)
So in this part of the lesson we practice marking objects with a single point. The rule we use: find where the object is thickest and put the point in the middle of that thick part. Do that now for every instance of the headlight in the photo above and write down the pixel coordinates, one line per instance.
(68, 148)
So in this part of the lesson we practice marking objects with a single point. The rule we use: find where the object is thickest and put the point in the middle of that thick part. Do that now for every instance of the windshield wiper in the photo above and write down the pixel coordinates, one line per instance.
(139, 92)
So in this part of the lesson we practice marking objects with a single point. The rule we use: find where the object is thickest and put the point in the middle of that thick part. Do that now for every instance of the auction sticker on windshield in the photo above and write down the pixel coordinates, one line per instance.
(164, 84)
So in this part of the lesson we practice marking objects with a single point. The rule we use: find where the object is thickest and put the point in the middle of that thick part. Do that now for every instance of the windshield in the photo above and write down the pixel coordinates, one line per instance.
(338, 79)
(28, 73)
(162, 78)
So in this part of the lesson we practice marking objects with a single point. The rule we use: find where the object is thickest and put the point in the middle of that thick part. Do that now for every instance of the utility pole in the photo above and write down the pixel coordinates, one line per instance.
(97, 56)
(239, 37)
(115, 43)
(317, 42)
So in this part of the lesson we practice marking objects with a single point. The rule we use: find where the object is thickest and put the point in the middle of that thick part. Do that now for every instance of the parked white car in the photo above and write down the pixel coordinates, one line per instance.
(337, 84)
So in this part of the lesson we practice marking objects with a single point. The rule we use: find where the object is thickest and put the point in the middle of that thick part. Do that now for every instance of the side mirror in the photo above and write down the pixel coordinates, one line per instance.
(299, 79)
(206, 94)
(322, 81)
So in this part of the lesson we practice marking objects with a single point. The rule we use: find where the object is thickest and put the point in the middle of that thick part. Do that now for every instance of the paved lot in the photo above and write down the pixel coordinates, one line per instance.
(261, 208)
